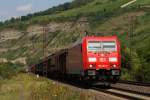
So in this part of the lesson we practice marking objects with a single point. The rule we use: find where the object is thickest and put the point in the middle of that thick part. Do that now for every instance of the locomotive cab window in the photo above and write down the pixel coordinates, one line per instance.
(94, 46)
(109, 46)
(98, 46)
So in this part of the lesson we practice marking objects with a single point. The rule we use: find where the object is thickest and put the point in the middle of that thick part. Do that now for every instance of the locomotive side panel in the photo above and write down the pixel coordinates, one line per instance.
(74, 60)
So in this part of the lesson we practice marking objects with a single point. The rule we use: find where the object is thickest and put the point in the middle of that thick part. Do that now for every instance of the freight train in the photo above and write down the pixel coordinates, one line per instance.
(94, 59)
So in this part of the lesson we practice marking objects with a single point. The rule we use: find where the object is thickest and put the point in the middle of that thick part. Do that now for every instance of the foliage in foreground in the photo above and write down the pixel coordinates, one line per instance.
(29, 87)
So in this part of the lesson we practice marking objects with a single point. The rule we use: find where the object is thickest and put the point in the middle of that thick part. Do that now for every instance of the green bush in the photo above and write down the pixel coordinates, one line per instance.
(7, 70)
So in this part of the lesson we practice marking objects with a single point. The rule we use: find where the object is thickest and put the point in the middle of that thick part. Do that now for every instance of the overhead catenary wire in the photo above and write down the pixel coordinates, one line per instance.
(128, 3)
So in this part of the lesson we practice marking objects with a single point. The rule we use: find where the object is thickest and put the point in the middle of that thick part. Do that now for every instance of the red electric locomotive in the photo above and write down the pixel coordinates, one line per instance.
(101, 58)
(95, 59)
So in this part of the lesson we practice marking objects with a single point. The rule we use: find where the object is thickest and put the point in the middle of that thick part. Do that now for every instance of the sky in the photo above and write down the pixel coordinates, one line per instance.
(15, 8)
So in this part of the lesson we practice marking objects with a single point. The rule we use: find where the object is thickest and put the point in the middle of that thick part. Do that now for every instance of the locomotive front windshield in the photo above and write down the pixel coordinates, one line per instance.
(98, 46)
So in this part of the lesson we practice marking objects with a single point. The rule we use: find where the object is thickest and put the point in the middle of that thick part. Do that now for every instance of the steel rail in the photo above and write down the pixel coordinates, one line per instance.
(134, 83)
(123, 93)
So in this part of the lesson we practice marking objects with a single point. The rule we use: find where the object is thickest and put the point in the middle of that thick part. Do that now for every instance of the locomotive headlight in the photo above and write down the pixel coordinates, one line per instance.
(92, 59)
(90, 66)
(114, 66)
(112, 59)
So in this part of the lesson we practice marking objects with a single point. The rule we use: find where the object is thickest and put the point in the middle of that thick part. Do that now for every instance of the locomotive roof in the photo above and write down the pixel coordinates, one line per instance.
(100, 37)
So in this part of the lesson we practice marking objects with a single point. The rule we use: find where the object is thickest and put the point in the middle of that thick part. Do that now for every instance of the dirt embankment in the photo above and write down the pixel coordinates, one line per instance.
(80, 25)
(9, 34)
(16, 39)
(21, 60)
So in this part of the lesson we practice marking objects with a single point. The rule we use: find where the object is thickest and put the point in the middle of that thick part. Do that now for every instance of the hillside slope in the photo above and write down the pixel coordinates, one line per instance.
(99, 17)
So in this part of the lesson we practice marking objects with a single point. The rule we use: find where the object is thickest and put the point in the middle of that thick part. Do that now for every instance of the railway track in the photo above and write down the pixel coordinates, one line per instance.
(134, 83)
(128, 90)
(124, 94)
(123, 90)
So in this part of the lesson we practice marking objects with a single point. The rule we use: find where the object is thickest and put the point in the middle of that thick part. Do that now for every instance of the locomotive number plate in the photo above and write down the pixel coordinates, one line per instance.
(91, 72)
(115, 72)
